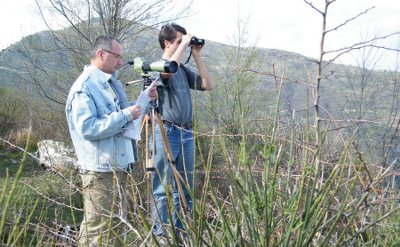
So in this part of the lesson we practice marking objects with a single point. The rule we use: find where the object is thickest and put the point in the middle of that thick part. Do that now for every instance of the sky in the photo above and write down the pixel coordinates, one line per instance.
(289, 25)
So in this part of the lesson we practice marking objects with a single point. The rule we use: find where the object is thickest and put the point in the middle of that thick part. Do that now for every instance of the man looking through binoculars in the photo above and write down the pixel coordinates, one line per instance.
(175, 108)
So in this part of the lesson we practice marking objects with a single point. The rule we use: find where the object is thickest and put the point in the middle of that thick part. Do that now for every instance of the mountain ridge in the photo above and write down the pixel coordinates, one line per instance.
(20, 65)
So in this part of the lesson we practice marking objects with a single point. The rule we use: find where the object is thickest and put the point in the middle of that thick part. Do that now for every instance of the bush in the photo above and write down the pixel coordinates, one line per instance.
(12, 111)
(20, 138)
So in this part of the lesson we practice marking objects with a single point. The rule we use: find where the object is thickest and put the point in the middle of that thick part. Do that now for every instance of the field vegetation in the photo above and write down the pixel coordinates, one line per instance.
(290, 151)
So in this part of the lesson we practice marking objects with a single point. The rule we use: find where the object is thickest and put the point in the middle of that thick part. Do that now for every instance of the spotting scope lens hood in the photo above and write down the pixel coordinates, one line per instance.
(161, 66)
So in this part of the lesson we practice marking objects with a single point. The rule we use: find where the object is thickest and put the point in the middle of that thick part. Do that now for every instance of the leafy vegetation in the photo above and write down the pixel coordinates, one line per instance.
(35, 203)
(290, 151)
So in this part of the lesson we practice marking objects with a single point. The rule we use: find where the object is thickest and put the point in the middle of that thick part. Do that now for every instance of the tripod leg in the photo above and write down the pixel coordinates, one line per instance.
(149, 175)
(153, 134)
(178, 178)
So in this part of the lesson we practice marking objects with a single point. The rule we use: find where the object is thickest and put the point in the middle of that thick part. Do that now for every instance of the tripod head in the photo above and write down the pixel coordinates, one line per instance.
(148, 81)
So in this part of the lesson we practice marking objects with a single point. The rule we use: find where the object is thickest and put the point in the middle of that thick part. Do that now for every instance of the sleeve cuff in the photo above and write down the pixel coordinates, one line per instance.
(127, 114)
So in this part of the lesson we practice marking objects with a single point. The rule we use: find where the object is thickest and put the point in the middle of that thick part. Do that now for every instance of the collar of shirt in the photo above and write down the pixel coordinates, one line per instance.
(101, 77)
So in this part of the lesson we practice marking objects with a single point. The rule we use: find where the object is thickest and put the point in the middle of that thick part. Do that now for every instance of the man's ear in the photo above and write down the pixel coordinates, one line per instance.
(166, 43)
(99, 53)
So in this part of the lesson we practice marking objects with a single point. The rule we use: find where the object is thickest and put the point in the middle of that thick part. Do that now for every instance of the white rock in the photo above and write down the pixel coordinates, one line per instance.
(56, 155)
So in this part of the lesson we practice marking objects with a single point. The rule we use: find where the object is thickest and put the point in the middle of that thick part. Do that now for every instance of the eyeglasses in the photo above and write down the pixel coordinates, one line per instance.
(117, 56)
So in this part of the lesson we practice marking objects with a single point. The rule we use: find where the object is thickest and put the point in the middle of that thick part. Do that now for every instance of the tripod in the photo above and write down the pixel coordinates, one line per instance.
(150, 165)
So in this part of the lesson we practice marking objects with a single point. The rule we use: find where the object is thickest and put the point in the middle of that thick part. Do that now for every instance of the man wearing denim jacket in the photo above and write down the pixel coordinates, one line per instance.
(99, 117)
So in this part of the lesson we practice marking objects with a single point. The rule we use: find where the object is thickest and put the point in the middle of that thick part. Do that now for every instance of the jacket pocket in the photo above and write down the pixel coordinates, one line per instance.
(106, 157)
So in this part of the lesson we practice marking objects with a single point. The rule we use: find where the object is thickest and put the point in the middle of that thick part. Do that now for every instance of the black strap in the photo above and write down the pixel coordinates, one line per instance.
(190, 54)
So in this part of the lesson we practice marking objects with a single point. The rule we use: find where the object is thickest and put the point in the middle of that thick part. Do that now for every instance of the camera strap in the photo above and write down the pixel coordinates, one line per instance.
(190, 54)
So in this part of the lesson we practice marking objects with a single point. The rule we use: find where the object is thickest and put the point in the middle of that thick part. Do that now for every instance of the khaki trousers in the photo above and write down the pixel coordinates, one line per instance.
(105, 204)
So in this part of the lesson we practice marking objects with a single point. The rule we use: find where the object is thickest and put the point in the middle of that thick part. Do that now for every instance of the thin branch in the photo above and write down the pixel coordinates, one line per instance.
(348, 20)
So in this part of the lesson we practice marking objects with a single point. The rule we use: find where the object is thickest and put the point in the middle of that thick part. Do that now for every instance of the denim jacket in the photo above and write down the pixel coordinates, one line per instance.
(97, 123)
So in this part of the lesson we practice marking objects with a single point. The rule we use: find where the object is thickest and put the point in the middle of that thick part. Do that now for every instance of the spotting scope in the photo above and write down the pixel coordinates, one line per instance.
(141, 66)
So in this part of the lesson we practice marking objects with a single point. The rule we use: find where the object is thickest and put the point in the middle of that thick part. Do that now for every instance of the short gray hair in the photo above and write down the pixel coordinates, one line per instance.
(103, 42)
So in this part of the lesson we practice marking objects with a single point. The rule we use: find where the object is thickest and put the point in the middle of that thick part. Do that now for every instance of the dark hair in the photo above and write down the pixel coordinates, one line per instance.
(102, 42)
(168, 32)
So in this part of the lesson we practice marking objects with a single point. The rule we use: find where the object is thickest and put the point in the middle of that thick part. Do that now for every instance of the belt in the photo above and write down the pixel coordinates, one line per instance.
(181, 125)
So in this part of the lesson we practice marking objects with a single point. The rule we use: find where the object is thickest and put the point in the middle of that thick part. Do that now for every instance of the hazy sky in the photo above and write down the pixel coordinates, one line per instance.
(282, 24)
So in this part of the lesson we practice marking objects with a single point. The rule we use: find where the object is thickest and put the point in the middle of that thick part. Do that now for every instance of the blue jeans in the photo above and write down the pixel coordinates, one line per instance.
(182, 147)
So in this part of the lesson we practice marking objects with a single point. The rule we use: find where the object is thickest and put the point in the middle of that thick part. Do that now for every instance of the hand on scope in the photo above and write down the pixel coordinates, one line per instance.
(153, 92)
(165, 76)
(135, 111)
